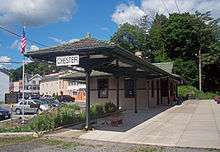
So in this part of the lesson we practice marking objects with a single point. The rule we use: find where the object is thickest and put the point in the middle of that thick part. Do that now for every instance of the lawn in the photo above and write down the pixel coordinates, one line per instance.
(60, 143)
(14, 140)
(149, 149)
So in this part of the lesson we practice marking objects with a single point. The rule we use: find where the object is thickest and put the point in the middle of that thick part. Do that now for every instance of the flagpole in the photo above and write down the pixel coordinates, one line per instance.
(23, 45)
(23, 93)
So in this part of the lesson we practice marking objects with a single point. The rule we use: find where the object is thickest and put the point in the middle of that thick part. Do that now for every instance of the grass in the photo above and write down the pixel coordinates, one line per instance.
(14, 140)
(13, 126)
(61, 144)
(149, 149)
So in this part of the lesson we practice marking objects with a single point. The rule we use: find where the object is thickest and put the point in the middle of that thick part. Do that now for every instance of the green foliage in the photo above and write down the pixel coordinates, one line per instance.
(110, 107)
(97, 110)
(14, 140)
(185, 34)
(188, 69)
(155, 34)
(25, 128)
(132, 38)
(33, 68)
(161, 56)
(43, 122)
(150, 149)
(186, 90)
(60, 143)
(62, 116)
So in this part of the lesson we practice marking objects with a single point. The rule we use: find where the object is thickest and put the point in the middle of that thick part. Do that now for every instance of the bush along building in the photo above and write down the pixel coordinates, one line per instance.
(125, 79)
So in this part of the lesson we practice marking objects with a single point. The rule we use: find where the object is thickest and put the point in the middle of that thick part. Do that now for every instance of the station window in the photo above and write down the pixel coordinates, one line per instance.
(102, 85)
(129, 88)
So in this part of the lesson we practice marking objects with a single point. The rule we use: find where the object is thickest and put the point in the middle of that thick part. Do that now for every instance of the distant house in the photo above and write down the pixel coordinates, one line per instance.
(57, 83)
(4, 83)
(32, 85)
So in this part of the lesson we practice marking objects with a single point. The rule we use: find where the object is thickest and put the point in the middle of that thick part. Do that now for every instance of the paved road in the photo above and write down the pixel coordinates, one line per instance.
(193, 124)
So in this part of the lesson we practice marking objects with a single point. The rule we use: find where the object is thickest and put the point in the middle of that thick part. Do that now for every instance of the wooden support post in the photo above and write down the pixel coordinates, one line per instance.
(200, 70)
(168, 89)
(117, 92)
(135, 97)
(117, 87)
(88, 72)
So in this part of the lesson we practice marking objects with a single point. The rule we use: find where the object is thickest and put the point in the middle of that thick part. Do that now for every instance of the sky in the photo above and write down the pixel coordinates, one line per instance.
(53, 22)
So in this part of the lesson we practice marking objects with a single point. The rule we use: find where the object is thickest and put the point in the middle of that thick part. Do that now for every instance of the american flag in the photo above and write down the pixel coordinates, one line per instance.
(23, 42)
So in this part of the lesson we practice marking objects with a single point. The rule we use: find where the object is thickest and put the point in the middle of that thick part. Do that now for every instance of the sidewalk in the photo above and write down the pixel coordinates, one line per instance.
(193, 124)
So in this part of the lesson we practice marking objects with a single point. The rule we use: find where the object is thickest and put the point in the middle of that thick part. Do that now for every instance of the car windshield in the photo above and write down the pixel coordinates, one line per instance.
(41, 101)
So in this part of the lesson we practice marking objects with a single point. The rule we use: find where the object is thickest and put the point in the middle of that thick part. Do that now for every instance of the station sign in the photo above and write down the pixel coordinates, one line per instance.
(67, 60)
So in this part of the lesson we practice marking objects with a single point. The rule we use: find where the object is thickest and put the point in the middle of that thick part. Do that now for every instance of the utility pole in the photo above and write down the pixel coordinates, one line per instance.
(200, 70)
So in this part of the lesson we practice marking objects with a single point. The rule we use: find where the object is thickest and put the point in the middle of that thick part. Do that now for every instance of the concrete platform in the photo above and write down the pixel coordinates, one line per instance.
(193, 124)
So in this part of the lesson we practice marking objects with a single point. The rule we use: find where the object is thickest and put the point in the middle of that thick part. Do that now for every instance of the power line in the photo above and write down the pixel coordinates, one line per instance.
(165, 7)
(177, 6)
(17, 35)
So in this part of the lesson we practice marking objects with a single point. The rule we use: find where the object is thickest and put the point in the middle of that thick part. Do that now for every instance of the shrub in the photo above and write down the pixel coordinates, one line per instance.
(70, 106)
(43, 122)
(185, 90)
(82, 116)
(110, 107)
(61, 116)
(97, 110)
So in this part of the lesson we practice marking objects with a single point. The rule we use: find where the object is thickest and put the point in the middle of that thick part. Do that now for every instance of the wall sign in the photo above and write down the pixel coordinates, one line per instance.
(67, 60)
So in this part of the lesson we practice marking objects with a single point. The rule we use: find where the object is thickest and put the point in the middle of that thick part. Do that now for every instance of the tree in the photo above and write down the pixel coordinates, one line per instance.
(185, 35)
(33, 68)
(157, 44)
(132, 38)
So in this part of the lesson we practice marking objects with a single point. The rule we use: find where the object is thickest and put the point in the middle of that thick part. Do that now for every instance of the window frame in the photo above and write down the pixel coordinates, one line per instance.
(127, 90)
(152, 88)
(103, 88)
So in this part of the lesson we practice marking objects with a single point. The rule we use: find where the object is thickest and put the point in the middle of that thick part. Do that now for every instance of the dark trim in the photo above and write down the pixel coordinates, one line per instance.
(88, 72)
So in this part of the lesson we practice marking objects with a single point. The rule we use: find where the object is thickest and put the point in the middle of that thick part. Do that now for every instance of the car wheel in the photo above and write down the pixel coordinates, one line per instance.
(18, 111)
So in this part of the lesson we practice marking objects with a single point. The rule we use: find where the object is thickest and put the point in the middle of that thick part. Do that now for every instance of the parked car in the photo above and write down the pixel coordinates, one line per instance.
(51, 102)
(4, 114)
(30, 106)
(66, 98)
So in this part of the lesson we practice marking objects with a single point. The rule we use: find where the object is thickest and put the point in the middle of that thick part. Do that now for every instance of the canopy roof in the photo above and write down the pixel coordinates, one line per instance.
(101, 56)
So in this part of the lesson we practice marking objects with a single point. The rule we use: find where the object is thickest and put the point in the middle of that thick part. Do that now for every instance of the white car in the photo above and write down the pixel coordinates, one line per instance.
(30, 106)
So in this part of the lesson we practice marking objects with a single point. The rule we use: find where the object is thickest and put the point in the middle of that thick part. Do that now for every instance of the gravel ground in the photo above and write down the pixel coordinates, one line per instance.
(51, 145)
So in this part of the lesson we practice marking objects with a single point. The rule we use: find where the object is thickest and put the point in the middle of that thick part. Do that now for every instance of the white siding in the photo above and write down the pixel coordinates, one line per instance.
(4, 85)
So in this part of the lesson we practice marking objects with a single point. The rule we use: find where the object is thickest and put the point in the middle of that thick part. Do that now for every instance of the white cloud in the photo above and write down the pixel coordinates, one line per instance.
(35, 12)
(72, 40)
(127, 14)
(131, 13)
(60, 41)
(15, 45)
(4, 59)
(34, 48)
